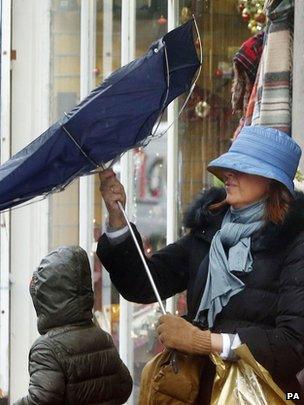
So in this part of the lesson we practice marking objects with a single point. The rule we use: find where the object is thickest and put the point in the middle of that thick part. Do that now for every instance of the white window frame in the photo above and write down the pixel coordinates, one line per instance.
(128, 32)
(5, 217)
(87, 83)
(172, 155)
(30, 27)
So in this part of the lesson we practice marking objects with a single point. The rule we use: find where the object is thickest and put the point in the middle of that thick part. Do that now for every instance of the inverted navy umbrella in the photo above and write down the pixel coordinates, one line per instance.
(117, 116)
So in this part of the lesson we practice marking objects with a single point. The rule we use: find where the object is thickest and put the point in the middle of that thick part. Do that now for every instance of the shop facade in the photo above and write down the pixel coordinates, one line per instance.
(53, 53)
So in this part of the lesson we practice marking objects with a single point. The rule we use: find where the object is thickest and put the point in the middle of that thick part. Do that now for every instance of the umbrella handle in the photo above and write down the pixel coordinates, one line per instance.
(143, 260)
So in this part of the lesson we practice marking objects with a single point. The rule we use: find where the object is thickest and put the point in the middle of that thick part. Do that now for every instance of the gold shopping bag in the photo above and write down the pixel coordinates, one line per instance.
(244, 382)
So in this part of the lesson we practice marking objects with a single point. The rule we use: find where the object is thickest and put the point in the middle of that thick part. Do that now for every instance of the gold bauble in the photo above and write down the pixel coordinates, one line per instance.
(185, 14)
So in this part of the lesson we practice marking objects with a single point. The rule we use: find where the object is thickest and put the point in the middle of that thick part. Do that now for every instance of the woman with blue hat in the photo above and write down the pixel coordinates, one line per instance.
(242, 262)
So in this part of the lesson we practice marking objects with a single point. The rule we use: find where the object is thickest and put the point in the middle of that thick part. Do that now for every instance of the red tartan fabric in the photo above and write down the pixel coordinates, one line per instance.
(249, 55)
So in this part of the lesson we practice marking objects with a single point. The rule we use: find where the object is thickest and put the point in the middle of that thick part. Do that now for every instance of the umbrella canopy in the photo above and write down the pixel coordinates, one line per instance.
(117, 116)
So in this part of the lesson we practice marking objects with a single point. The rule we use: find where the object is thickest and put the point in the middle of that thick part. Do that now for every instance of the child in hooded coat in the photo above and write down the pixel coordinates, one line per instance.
(73, 361)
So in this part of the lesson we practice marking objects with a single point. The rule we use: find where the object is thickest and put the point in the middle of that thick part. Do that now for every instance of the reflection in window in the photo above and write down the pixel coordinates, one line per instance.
(108, 56)
(64, 95)
(150, 179)
(207, 124)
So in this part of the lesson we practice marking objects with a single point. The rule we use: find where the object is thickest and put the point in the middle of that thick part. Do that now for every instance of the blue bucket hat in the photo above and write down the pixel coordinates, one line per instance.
(261, 151)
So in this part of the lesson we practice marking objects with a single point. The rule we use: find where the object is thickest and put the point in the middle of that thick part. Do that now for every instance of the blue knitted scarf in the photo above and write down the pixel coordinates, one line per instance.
(234, 237)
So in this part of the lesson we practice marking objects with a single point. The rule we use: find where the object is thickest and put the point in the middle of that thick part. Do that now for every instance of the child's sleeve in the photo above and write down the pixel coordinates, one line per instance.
(47, 384)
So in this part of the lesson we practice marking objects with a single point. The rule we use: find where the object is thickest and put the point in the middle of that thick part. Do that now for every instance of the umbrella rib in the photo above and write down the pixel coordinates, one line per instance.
(153, 134)
(79, 147)
(197, 75)
(167, 93)
(190, 91)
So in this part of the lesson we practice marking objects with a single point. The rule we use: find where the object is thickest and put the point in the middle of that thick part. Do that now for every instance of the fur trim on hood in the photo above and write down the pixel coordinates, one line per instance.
(197, 214)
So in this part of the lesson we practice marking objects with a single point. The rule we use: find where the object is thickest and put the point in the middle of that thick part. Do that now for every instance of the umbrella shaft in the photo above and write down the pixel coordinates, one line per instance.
(143, 261)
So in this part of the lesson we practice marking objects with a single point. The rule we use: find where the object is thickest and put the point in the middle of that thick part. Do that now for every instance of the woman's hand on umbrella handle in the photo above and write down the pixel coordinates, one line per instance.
(112, 191)
(176, 333)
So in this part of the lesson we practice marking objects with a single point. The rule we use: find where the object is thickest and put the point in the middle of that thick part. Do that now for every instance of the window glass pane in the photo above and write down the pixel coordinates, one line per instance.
(151, 23)
(207, 124)
(108, 54)
(64, 95)
(149, 192)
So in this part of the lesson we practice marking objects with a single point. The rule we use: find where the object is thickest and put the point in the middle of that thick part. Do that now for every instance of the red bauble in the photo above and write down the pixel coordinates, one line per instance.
(241, 7)
(96, 71)
(260, 18)
(218, 72)
(246, 17)
(162, 20)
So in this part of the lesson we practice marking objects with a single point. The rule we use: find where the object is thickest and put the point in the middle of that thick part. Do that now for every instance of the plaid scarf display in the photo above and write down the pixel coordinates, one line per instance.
(274, 80)
(268, 57)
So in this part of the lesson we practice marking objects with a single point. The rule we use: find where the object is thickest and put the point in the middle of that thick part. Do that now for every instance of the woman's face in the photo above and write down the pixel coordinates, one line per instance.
(244, 189)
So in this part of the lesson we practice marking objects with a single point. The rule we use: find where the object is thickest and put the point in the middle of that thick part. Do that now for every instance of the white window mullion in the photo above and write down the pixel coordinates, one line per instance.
(30, 78)
(107, 54)
(5, 217)
(87, 65)
(172, 154)
(126, 164)
(107, 68)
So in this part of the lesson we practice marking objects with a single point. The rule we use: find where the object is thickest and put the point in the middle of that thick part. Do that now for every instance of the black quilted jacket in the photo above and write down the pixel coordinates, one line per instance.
(268, 314)
(74, 361)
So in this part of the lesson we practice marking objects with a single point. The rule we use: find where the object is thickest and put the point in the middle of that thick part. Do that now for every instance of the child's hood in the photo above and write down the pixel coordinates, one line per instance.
(61, 288)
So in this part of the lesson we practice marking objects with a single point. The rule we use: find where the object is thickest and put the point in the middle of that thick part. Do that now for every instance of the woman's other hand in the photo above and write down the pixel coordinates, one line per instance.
(176, 333)
(112, 191)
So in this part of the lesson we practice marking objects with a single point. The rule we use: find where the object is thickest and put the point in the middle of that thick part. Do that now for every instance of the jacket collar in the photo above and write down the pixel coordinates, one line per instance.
(205, 224)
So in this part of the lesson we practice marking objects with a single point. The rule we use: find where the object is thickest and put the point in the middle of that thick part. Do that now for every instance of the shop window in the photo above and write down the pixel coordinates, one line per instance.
(108, 59)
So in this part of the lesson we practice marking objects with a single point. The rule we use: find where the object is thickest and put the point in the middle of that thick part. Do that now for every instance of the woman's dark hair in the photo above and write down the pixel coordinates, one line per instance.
(277, 203)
